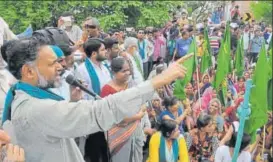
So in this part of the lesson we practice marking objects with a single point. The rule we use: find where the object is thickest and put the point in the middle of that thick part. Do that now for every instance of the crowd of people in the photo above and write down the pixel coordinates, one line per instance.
(135, 115)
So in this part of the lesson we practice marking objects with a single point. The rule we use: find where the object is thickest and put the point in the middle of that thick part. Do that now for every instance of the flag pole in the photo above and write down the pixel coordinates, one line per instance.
(197, 71)
(263, 141)
(198, 89)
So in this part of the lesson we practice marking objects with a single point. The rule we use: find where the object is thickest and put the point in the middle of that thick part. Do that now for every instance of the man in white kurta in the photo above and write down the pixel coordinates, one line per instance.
(45, 128)
(102, 72)
(130, 45)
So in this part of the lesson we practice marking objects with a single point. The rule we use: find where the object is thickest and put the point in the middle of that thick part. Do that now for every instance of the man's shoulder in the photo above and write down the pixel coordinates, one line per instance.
(22, 99)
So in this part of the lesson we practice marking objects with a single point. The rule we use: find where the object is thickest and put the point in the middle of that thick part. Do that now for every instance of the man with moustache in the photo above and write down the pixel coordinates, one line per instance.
(45, 124)
(92, 26)
(93, 71)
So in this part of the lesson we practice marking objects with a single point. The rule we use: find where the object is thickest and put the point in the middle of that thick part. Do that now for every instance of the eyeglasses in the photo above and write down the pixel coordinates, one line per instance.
(90, 26)
(140, 32)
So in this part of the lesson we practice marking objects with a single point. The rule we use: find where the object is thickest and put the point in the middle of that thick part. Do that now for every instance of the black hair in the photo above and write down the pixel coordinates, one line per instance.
(239, 78)
(92, 45)
(21, 52)
(117, 64)
(109, 42)
(203, 121)
(184, 32)
(42, 39)
(215, 30)
(51, 36)
(66, 49)
(246, 139)
(190, 29)
(110, 32)
(141, 29)
(166, 127)
(155, 30)
(6, 46)
(169, 101)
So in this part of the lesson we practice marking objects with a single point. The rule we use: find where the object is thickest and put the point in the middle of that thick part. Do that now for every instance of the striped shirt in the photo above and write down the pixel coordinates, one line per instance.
(214, 42)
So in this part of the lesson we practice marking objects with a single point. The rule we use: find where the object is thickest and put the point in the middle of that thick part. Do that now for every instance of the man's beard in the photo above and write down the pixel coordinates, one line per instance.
(100, 58)
(46, 84)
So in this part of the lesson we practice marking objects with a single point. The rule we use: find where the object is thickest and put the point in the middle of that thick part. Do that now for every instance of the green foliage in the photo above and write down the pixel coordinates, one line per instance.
(262, 10)
(111, 14)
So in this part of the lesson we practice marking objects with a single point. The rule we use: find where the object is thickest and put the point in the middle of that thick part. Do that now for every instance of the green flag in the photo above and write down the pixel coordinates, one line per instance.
(227, 50)
(206, 57)
(270, 82)
(270, 44)
(258, 96)
(270, 64)
(190, 64)
(223, 61)
(239, 58)
(269, 95)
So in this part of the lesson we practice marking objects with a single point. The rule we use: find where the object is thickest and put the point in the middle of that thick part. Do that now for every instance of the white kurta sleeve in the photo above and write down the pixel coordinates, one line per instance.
(67, 120)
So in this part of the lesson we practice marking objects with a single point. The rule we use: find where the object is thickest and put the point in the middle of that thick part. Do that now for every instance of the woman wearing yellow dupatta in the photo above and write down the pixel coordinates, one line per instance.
(168, 145)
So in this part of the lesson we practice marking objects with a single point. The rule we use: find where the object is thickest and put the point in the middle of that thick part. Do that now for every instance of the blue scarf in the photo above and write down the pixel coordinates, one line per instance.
(162, 149)
(58, 51)
(29, 89)
(93, 75)
(142, 50)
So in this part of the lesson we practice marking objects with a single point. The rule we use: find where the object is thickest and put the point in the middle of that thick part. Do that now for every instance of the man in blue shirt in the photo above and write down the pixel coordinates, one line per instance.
(182, 45)
(217, 16)
(255, 47)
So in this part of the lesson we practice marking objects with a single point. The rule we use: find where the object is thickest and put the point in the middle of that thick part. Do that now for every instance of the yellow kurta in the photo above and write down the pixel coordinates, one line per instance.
(155, 144)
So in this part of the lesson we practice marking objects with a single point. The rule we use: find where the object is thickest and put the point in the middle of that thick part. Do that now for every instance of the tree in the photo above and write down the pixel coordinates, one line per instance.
(262, 10)
(111, 14)
(199, 10)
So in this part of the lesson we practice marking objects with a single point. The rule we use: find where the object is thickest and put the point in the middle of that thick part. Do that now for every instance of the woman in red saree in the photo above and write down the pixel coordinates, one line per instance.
(126, 139)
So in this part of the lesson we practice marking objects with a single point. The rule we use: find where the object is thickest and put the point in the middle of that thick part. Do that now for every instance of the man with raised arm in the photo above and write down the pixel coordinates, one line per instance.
(44, 123)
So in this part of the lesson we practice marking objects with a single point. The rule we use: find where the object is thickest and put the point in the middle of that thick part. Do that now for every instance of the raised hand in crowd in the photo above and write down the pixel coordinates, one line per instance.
(174, 71)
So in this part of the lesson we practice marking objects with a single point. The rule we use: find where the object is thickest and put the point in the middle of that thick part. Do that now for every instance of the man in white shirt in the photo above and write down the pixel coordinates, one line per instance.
(130, 45)
(143, 50)
(247, 38)
(224, 153)
(93, 71)
(66, 22)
